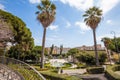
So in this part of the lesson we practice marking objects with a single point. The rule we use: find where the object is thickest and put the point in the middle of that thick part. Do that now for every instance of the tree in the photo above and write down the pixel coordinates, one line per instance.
(51, 49)
(73, 52)
(6, 32)
(107, 43)
(14, 30)
(37, 50)
(61, 49)
(46, 16)
(92, 19)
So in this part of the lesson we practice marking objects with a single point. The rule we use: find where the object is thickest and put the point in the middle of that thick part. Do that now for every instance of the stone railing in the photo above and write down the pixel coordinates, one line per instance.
(22, 70)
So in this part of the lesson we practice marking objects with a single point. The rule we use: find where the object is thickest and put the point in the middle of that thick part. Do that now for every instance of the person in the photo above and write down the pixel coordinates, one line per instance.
(61, 71)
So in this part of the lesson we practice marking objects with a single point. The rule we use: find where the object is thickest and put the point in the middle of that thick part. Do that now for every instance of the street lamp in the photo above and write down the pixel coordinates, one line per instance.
(115, 42)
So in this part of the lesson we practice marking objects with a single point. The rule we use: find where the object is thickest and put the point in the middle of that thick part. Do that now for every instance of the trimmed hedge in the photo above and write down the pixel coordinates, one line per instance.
(54, 76)
(116, 68)
(110, 72)
(95, 70)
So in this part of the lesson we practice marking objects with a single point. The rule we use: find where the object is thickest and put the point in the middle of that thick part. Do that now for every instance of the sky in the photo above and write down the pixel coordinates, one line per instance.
(69, 28)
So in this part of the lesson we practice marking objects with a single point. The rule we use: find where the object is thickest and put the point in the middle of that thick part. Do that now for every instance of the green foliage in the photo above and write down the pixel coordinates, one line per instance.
(81, 65)
(46, 13)
(67, 65)
(54, 76)
(95, 70)
(22, 36)
(112, 44)
(25, 72)
(21, 32)
(15, 52)
(116, 68)
(73, 51)
(61, 49)
(89, 58)
(51, 49)
(38, 50)
(93, 17)
(110, 74)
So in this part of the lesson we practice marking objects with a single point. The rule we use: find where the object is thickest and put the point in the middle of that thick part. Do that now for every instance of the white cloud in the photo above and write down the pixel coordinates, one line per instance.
(107, 35)
(53, 27)
(68, 24)
(82, 26)
(2, 7)
(54, 39)
(79, 4)
(107, 5)
(34, 1)
(109, 21)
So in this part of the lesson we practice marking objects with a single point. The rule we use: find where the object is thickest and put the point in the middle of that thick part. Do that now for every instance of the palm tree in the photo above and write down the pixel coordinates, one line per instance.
(45, 15)
(107, 42)
(61, 49)
(92, 19)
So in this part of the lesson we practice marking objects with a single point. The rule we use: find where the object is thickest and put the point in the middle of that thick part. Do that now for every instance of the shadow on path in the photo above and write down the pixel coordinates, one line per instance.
(93, 77)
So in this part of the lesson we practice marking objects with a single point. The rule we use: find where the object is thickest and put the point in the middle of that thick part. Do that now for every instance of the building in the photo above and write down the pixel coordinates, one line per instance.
(90, 48)
(56, 50)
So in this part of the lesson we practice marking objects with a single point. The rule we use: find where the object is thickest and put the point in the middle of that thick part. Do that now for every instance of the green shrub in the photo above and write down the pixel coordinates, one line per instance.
(95, 70)
(81, 65)
(110, 74)
(54, 76)
(116, 68)
(27, 73)
(67, 65)
(89, 57)
(86, 58)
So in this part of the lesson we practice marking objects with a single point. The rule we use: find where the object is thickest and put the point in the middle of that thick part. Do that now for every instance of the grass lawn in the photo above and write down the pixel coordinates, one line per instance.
(117, 72)
(51, 74)
(26, 72)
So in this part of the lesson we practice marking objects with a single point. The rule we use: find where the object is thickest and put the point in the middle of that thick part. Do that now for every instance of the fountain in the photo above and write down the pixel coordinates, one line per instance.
(57, 62)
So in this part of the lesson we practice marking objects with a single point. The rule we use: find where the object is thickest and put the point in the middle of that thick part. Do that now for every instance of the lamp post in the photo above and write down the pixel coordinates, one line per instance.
(115, 42)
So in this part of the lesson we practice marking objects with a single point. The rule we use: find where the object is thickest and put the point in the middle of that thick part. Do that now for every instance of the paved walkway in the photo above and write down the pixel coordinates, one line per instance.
(78, 72)
(8, 74)
(93, 77)
(74, 71)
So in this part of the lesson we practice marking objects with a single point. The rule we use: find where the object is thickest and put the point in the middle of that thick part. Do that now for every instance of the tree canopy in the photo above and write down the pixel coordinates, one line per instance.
(21, 33)
(17, 33)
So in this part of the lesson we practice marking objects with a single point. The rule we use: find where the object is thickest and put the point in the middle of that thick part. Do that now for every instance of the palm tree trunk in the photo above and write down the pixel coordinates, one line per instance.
(108, 54)
(43, 49)
(95, 45)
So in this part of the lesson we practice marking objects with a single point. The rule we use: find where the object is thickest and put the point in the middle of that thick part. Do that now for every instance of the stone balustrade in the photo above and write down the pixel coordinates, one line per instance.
(8, 74)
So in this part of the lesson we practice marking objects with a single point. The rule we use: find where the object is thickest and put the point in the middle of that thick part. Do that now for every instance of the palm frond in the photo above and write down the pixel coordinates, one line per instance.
(37, 12)
(85, 15)
(92, 17)
(39, 7)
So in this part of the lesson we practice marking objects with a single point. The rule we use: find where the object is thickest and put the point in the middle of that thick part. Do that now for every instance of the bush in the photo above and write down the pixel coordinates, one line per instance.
(110, 74)
(67, 65)
(53, 76)
(89, 57)
(116, 68)
(95, 70)
(81, 65)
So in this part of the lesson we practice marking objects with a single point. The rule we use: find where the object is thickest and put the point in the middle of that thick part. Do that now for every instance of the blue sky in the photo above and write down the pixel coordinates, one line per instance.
(68, 29)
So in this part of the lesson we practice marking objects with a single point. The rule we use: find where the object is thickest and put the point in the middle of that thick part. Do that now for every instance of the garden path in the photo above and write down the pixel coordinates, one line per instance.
(93, 77)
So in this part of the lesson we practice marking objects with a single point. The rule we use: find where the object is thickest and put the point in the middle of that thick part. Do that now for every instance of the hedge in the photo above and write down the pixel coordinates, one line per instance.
(55, 76)
(95, 70)
(110, 72)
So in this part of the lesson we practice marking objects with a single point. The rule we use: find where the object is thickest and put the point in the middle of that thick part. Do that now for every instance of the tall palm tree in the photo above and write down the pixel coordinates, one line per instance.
(45, 15)
(92, 19)
(107, 42)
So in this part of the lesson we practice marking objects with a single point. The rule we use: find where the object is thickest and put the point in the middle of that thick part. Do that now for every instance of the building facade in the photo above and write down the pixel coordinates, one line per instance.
(91, 48)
